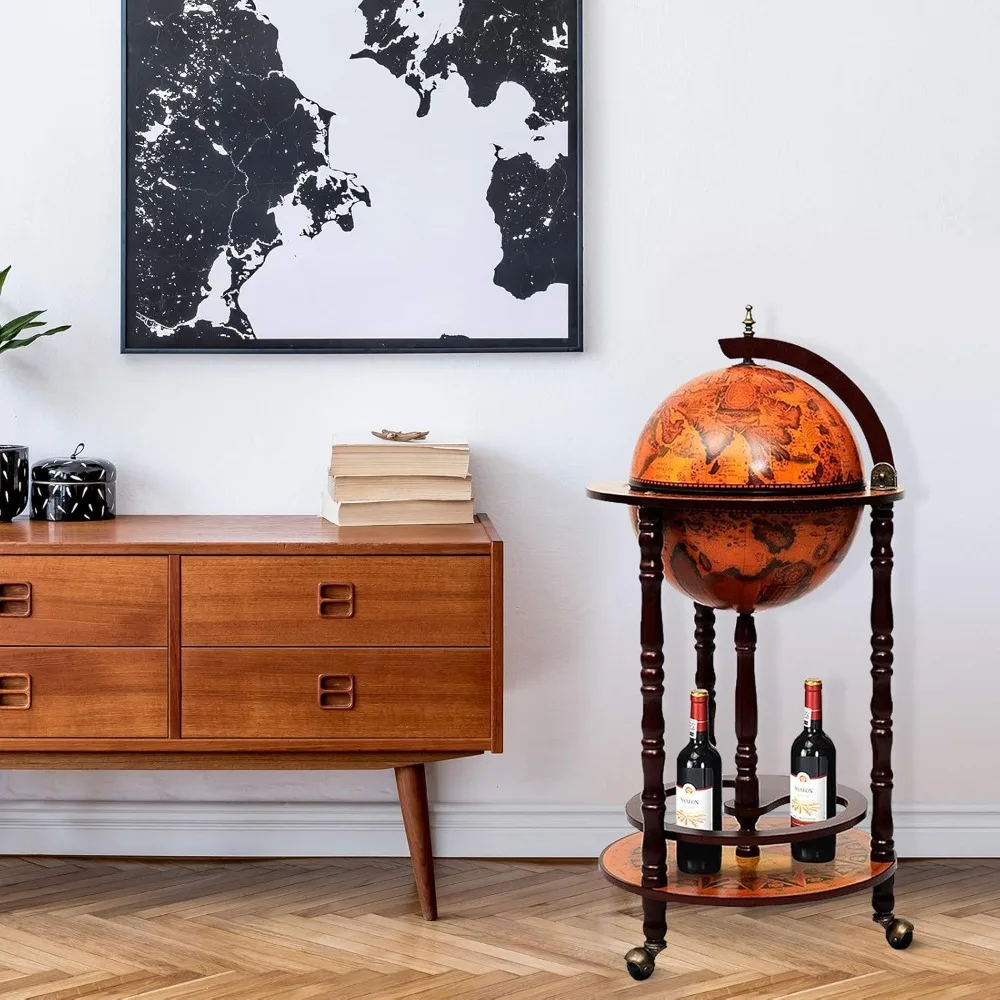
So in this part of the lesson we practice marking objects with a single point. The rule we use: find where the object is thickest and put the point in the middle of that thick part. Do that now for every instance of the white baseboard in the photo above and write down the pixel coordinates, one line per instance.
(244, 829)
(947, 831)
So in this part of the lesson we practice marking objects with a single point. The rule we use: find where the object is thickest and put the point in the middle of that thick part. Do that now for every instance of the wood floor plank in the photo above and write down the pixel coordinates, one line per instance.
(309, 929)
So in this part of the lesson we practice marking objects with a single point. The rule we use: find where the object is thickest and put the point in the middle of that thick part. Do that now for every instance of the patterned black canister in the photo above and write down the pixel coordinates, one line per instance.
(13, 480)
(73, 489)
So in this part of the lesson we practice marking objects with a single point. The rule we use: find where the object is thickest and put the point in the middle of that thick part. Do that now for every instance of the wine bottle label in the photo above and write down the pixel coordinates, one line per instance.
(693, 729)
(807, 802)
(808, 716)
(694, 807)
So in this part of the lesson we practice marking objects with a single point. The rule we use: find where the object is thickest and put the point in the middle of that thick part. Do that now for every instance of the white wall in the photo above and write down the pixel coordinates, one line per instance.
(837, 165)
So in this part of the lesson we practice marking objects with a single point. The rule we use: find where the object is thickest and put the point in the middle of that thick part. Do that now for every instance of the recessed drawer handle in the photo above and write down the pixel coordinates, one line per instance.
(336, 692)
(15, 692)
(15, 600)
(336, 600)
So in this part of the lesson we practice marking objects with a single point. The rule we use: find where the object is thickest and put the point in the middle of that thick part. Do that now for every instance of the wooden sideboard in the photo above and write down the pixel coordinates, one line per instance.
(253, 642)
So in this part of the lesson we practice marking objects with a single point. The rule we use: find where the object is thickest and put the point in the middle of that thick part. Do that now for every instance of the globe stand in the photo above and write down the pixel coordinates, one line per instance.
(757, 868)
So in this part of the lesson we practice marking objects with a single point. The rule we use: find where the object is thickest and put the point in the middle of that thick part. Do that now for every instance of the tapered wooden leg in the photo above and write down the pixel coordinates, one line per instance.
(412, 784)
(747, 798)
(898, 932)
(704, 644)
(640, 961)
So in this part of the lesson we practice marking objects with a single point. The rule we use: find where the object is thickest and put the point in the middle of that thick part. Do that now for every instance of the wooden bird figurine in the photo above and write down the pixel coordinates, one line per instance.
(386, 435)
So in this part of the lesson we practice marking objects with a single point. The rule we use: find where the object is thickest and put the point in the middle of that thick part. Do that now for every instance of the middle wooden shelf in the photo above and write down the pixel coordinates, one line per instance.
(774, 793)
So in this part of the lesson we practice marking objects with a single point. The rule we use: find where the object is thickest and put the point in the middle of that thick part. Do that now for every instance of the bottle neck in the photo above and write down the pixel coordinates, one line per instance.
(812, 720)
(699, 720)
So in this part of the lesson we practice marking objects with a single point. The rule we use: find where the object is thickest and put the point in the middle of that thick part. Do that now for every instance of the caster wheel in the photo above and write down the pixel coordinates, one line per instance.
(640, 963)
(899, 934)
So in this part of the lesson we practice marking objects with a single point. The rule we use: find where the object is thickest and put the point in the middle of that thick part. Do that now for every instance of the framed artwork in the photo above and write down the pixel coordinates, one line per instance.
(352, 176)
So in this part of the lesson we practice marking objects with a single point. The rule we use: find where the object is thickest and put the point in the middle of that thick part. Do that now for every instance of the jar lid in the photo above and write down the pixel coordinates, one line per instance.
(74, 469)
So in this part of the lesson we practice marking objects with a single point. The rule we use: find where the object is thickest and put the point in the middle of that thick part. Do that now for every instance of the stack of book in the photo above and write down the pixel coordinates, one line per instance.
(399, 483)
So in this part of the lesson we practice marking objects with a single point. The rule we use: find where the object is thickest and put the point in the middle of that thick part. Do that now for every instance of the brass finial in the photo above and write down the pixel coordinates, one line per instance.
(748, 337)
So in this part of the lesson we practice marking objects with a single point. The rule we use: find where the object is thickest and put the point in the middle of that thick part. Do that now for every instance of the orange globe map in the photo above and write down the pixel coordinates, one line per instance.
(750, 430)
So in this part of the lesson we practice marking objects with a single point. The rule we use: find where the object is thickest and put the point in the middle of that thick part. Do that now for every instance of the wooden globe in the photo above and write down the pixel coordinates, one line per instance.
(750, 432)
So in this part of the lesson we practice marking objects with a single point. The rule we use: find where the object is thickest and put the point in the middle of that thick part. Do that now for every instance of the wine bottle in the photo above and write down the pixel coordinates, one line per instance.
(813, 780)
(699, 792)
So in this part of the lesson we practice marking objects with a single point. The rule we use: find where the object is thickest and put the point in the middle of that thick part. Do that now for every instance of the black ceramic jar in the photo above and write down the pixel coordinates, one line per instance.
(13, 480)
(73, 489)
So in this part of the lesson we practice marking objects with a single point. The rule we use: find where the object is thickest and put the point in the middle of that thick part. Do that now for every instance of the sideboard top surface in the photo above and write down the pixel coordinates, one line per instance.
(235, 534)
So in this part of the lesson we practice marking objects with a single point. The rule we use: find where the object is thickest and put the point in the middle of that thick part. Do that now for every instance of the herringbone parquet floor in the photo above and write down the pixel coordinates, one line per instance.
(350, 929)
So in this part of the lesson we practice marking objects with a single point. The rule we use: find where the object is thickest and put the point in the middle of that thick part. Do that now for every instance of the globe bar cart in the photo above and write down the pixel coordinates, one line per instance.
(746, 491)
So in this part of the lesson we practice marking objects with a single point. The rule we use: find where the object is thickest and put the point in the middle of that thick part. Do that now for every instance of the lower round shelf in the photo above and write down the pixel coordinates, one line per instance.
(772, 878)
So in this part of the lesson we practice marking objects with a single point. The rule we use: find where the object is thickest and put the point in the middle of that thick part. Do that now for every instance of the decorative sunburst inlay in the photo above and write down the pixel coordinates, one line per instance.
(773, 874)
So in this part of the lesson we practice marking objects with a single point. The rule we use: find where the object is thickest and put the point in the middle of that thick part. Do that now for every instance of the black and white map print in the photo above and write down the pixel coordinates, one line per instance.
(352, 175)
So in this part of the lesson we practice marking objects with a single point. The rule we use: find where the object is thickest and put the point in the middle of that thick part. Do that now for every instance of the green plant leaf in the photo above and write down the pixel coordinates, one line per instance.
(15, 326)
(30, 321)
(12, 345)
(27, 326)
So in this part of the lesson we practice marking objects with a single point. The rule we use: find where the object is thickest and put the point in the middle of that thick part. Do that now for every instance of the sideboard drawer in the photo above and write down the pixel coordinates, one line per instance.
(83, 693)
(336, 600)
(366, 694)
(83, 601)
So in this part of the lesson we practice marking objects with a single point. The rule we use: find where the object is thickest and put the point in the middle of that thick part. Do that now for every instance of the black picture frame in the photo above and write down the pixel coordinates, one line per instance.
(572, 343)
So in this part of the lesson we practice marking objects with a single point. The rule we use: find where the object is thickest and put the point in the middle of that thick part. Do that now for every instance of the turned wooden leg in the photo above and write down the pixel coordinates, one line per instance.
(412, 784)
(747, 798)
(639, 961)
(704, 645)
(884, 901)
(899, 932)
(654, 842)
(882, 845)
(654, 925)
